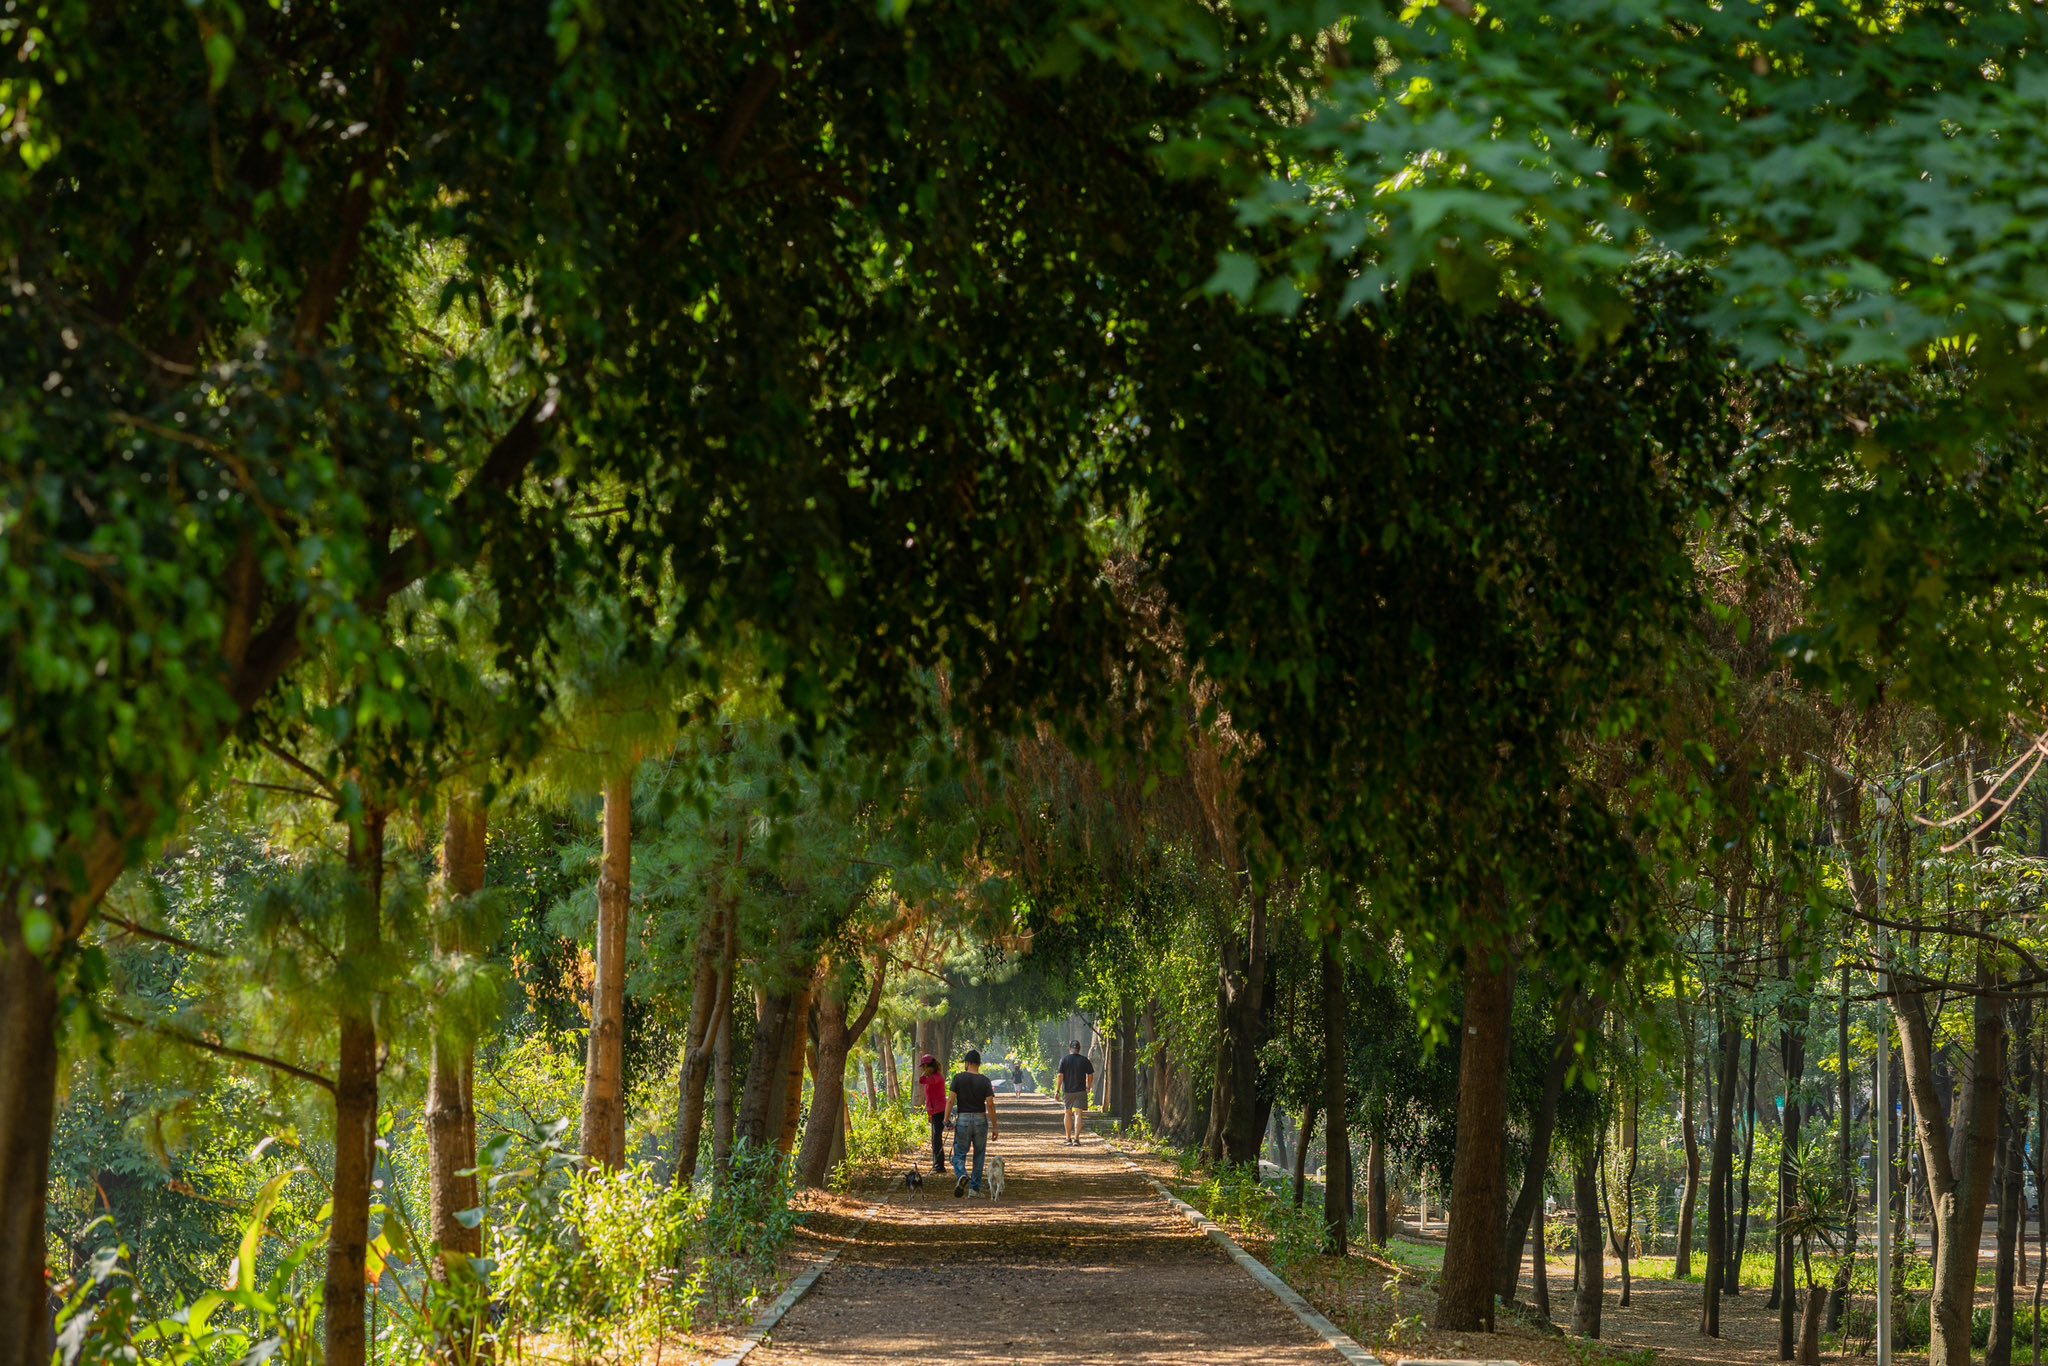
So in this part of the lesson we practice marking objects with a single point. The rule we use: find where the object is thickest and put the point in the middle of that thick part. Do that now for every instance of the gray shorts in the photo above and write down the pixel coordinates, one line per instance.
(1077, 1100)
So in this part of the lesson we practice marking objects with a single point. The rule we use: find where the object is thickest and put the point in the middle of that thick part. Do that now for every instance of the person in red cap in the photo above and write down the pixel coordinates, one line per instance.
(933, 1083)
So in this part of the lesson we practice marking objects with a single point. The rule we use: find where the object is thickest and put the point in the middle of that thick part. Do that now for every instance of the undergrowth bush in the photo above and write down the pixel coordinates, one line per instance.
(880, 1136)
(589, 1265)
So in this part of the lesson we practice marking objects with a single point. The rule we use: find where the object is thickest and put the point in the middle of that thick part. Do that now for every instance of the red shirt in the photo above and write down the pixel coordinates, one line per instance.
(934, 1093)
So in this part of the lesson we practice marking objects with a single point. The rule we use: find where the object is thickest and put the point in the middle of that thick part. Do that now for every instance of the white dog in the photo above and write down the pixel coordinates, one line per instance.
(993, 1182)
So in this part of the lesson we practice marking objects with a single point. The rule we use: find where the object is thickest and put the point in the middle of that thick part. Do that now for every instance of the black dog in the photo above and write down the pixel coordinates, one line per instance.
(913, 1180)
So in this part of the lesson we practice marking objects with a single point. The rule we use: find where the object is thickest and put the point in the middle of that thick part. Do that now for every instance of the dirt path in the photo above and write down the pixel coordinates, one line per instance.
(1079, 1262)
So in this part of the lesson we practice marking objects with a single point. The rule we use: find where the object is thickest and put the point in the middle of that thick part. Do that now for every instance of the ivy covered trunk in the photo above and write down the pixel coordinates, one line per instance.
(1479, 1177)
(604, 1075)
(28, 1088)
(1237, 1117)
(355, 1112)
(451, 1106)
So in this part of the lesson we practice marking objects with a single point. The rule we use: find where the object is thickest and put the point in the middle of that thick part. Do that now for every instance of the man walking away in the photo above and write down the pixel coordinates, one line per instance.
(933, 1083)
(1075, 1069)
(974, 1121)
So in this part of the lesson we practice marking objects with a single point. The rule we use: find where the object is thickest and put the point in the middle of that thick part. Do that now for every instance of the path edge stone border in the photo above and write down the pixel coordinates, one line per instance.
(757, 1333)
(1312, 1319)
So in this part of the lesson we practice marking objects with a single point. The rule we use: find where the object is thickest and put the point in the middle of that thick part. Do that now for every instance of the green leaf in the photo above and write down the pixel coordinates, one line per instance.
(1236, 275)
(220, 59)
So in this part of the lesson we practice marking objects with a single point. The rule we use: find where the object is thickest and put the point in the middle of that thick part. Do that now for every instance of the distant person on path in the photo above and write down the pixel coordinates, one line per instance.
(933, 1083)
(1075, 1069)
(974, 1121)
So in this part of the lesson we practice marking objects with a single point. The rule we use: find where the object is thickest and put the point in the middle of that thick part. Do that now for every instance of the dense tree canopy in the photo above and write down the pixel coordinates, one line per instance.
(624, 565)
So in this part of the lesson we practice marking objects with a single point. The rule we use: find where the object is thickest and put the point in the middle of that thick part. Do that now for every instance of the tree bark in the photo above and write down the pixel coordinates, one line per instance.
(355, 1111)
(1733, 1281)
(1792, 1052)
(1688, 1204)
(1236, 1115)
(776, 1019)
(826, 1129)
(1542, 1126)
(28, 1059)
(1592, 1272)
(1376, 1229)
(710, 1002)
(1960, 1188)
(1539, 1268)
(2012, 1180)
(1479, 1177)
(1126, 1070)
(1301, 1141)
(791, 1094)
(604, 1073)
(451, 1108)
(1721, 1172)
(1336, 1104)
(723, 1116)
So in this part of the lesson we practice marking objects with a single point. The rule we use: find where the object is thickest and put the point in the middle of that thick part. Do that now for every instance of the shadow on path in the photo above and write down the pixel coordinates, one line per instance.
(1079, 1262)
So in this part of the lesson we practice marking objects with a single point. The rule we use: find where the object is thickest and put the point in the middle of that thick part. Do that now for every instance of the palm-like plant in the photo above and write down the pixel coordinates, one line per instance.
(1819, 1211)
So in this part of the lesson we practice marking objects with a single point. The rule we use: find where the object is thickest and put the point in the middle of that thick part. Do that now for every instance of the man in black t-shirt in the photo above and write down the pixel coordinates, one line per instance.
(1075, 1069)
(971, 1104)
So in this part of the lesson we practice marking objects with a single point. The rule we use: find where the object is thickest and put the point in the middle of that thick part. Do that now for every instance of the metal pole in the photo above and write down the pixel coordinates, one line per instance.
(1884, 1188)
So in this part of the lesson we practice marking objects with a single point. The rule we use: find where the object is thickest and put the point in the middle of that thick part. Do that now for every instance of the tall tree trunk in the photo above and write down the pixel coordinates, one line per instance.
(1376, 1229)
(826, 1129)
(724, 1116)
(28, 1062)
(1733, 1281)
(710, 1000)
(1792, 1053)
(1845, 1156)
(355, 1110)
(1336, 1104)
(604, 1073)
(1688, 1204)
(451, 1108)
(2012, 1183)
(1515, 1234)
(1479, 1177)
(1152, 1061)
(1308, 1129)
(1127, 1069)
(1960, 1188)
(1236, 1115)
(1592, 1272)
(790, 1095)
(1539, 1267)
(777, 1024)
(1721, 1173)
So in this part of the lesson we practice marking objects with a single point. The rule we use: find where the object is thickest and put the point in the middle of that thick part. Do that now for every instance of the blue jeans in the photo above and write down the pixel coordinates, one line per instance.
(969, 1131)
